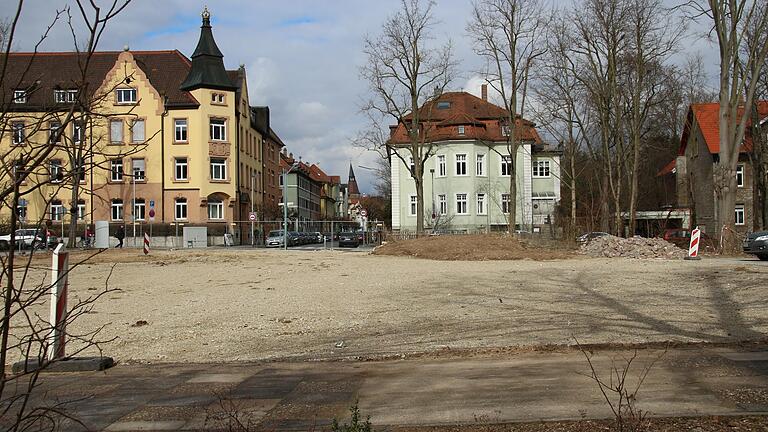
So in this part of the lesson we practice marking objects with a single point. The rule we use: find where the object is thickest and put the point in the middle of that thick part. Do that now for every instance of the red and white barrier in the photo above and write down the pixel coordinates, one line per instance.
(146, 243)
(693, 249)
(59, 275)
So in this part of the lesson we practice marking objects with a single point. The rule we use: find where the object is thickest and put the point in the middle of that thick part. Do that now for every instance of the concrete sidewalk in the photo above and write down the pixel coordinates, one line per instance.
(514, 388)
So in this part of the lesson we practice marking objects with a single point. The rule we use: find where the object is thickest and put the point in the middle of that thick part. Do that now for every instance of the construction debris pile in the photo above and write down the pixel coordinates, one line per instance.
(633, 247)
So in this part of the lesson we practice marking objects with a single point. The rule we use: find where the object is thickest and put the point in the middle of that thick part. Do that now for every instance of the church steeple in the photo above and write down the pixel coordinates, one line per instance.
(207, 62)
(352, 188)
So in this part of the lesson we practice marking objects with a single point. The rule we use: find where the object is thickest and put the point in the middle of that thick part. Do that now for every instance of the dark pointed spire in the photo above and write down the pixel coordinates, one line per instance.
(352, 188)
(207, 62)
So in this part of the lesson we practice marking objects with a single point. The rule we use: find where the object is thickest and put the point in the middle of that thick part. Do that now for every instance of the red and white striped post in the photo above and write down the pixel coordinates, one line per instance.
(146, 243)
(59, 275)
(693, 249)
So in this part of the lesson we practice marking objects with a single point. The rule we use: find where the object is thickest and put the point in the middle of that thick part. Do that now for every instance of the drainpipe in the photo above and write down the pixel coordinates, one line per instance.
(162, 158)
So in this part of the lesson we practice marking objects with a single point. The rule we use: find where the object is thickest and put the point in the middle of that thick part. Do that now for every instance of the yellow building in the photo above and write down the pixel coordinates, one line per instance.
(172, 135)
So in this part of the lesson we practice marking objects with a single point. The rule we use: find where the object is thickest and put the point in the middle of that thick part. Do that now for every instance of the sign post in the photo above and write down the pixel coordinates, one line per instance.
(146, 243)
(59, 275)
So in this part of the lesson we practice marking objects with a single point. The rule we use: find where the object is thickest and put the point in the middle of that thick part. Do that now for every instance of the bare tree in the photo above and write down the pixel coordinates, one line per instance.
(740, 66)
(654, 35)
(509, 35)
(404, 72)
(24, 171)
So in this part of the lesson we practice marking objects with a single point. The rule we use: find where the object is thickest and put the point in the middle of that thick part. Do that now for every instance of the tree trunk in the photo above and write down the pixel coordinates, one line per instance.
(512, 207)
(634, 185)
(573, 191)
(419, 206)
(605, 212)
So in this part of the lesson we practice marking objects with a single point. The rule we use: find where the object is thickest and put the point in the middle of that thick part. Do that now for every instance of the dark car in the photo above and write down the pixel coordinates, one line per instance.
(756, 243)
(348, 239)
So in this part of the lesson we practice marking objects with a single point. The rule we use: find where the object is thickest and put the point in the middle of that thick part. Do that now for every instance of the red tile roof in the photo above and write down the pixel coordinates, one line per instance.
(481, 119)
(707, 117)
(41, 73)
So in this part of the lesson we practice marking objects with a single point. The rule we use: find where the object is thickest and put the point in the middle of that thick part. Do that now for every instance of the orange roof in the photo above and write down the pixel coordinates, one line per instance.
(668, 168)
(707, 116)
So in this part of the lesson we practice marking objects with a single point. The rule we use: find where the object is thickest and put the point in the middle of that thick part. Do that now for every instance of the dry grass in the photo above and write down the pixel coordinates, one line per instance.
(488, 247)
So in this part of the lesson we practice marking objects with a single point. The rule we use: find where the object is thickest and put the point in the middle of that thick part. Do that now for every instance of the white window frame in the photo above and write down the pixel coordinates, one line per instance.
(19, 134)
(139, 169)
(740, 175)
(53, 129)
(413, 205)
(180, 206)
(64, 96)
(505, 202)
(54, 168)
(462, 206)
(411, 165)
(57, 210)
(540, 169)
(480, 165)
(218, 129)
(215, 209)
(116, 170)
(482, 204)
(181, 163)
(126, 96)
(77, 132)
(19, 96)
(442, 204)
(137, 137)
(461, 129)
(506, 166)
(460, 163)
(139, 209)
(180, 127)
(116, 210)
(442, 170)
(218, 169)
(81, 211)
(740, 215)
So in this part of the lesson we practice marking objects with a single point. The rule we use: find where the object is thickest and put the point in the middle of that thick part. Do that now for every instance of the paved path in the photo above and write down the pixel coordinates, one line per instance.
(294, 396)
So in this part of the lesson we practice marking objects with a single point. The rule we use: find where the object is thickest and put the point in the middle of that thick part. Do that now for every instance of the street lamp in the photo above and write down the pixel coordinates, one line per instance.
(285, 203)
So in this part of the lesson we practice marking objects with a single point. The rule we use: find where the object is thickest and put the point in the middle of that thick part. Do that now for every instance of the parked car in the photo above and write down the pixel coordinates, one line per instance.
(756, 243)
(294, 238)
(28, 238)
(587, 237)
(319, 237)
(348, 239)
(682, 239)
(275, 238)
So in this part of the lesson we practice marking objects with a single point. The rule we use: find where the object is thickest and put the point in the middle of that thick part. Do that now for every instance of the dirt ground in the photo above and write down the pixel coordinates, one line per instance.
(475, 248)
(238, 305)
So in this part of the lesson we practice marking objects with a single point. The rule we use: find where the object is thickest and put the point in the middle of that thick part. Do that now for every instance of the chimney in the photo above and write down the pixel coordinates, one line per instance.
(484, 92)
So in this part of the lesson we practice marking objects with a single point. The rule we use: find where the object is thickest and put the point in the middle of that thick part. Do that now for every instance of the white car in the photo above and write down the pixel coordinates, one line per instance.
(27, 237)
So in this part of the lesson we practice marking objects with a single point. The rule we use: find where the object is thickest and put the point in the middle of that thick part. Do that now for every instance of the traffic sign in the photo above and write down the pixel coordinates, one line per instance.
(251, 216)
(363, 213)
(151, 203)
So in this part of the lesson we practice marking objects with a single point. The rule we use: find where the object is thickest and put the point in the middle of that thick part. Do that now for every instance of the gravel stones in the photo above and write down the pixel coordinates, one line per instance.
(633, 247)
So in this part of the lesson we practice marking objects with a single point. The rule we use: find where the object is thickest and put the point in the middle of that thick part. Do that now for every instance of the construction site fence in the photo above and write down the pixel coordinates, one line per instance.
(170, 235)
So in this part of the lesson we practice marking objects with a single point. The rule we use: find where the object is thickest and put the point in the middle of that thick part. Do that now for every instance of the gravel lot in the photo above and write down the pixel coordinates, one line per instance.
(222, 305)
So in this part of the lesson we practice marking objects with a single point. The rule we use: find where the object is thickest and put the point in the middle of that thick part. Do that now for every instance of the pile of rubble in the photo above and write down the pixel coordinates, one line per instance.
(634, 247)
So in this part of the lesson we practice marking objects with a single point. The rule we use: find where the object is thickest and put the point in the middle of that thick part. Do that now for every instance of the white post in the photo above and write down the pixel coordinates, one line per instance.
(59, 274)
(253, 239)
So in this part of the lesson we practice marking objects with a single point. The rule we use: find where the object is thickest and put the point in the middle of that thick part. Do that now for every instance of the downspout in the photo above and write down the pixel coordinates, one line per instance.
(162, 158)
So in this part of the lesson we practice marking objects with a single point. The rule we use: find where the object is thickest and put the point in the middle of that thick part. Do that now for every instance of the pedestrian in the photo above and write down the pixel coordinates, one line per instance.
(120, 235)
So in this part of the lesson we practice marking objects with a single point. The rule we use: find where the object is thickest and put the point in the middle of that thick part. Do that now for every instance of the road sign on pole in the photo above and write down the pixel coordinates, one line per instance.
(252, 216)
(363, 212)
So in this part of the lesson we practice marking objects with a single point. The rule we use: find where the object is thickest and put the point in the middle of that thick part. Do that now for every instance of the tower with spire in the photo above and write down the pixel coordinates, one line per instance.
(352, 189)
(207, 62)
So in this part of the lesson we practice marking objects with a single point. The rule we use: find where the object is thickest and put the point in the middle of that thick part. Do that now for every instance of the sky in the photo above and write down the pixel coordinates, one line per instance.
(302, 58)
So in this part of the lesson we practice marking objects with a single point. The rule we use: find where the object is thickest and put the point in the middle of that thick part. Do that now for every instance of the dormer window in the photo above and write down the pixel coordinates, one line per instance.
(125, 96)
(19, 96)
(64, 96)
(218, 98)
(443, 105)
(461, 130)
(505, 130)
